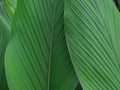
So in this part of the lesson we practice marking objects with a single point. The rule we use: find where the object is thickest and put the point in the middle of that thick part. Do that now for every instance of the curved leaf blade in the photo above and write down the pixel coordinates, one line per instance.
(4, 39)
(37, 57)
(93, 32)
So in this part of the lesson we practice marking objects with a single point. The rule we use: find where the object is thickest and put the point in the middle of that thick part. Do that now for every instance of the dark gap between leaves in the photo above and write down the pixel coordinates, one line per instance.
(117, 3)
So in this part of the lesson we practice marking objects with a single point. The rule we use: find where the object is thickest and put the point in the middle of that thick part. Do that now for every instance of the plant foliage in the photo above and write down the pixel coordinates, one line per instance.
(59, 45)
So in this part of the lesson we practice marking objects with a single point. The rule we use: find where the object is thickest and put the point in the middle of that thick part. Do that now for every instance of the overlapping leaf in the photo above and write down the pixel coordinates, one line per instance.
(4, 14)
(93, 38)
(4, 39)
(11, 7)
(37, 57)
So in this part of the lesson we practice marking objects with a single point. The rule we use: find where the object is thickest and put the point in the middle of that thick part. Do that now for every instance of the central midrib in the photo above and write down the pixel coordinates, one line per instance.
(51, 42)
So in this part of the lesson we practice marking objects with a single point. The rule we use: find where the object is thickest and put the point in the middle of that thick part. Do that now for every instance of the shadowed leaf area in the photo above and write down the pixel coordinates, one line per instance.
(117, 3)
(4, 39)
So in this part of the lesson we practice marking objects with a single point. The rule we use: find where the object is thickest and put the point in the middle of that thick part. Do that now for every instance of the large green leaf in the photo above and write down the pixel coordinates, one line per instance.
(37, 57)
(93, 37)
(4, 39)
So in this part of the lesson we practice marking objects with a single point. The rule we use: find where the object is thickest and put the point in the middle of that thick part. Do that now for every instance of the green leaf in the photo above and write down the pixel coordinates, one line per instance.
(4, 15)
(4, 39)
(11, 7)
(13, 3)
(37, 57)
(93, 38)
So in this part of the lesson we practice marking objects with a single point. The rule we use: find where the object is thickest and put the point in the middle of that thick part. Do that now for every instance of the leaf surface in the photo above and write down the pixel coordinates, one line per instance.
(37, 57)
(4, 39)
(11, 7)
(93, 38)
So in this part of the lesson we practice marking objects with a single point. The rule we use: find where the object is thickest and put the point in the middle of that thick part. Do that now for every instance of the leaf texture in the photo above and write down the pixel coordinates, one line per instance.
(13, 3)
(11, 7)
(37, 57)
(4, 15)
(4, 39)
(93, 38)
